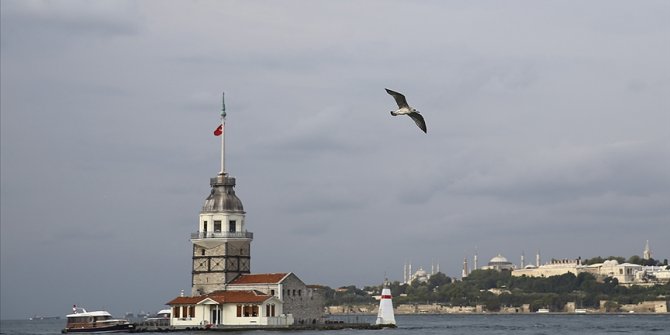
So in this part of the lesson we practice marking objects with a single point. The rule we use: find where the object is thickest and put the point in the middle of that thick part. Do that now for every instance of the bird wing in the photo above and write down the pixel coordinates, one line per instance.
(418, 119)
(399, 98)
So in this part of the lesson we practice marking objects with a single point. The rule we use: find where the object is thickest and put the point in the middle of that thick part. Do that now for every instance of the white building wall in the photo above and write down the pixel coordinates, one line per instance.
(229, 315)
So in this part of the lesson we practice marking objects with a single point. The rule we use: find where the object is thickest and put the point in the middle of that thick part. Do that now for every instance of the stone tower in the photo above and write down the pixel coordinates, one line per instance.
(222, 244)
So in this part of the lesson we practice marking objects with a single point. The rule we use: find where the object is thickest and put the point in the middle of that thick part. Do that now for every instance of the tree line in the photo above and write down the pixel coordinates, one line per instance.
(496, 289)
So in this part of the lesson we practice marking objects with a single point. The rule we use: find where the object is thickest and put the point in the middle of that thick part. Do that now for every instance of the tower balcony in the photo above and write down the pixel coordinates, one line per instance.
(222, 234)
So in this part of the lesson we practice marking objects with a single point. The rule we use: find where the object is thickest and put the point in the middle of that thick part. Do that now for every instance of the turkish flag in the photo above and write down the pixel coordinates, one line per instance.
(218, 130)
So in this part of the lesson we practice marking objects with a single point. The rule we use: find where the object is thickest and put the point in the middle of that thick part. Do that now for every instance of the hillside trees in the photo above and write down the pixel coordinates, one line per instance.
(494, 289)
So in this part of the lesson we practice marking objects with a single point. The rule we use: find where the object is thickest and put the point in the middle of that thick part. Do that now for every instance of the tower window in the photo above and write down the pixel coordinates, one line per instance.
(231, 226)
(202, 251)
(204, 226)
(217, 226)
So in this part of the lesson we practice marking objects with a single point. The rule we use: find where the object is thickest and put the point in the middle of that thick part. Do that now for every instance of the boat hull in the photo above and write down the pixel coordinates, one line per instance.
(122, 328)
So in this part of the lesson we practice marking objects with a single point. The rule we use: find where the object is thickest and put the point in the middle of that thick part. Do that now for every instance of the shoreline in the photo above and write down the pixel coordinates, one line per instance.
(504, 313)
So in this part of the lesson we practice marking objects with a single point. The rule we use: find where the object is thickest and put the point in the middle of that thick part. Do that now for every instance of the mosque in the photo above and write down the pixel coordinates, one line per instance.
(421, 275)
(224, 292)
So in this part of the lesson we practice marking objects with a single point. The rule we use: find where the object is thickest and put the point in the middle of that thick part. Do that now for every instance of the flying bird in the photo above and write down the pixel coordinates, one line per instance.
(405, 109)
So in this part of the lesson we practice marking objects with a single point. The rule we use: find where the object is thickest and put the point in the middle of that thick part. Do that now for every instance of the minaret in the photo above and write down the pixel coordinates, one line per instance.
(474, 263)
(409, 273)
(537, 258)
(465, 272)
(222, 245)
(406, 272)
(646, 255)
(523, 261)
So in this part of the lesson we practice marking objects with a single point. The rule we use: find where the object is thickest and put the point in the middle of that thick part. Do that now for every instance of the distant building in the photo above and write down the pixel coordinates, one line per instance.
(554, 268)
(625, 273)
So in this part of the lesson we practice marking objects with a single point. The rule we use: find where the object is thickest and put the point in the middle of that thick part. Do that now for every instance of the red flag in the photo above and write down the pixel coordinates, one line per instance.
(218, 130)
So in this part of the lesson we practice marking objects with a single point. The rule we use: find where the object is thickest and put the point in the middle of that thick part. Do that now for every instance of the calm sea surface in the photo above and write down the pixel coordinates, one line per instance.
(443, 324)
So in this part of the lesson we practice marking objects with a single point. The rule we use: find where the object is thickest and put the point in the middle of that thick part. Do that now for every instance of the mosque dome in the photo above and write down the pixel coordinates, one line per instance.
(222, 197)
(499, 263)
(499, 260)
(421, 275)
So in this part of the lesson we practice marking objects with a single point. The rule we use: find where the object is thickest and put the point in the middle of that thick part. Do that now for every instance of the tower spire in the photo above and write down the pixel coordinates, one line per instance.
(223, 135)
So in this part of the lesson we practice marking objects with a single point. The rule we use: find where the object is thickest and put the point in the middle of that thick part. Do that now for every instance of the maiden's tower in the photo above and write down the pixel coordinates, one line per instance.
(224, 292)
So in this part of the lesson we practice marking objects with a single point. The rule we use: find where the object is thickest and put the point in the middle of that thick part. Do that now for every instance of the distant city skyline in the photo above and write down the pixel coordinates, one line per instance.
(414, 268)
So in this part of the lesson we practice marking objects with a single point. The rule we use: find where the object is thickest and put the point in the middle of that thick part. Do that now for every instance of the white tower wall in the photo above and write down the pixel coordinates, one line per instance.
(385, 315)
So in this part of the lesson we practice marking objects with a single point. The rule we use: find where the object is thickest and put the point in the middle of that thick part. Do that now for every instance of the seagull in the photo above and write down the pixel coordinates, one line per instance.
(405, 109)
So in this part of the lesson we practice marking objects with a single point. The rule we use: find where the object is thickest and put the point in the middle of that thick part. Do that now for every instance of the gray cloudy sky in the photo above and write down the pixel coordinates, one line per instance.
(547, 129)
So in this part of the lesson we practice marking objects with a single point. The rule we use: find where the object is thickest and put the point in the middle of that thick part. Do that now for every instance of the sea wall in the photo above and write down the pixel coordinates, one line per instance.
(646, 307)
(643, 307)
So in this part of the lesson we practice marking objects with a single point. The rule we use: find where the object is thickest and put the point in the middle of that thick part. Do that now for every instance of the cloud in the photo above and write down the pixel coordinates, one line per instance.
(69, 19)
(571, 171)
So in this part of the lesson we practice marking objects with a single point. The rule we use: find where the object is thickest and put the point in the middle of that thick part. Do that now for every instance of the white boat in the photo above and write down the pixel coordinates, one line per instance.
(81, 321)
(543, 310)
(161, 319)
(580, 311)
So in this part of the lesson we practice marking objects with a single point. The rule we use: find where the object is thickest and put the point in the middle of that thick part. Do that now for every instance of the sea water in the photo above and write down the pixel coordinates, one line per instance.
(471, 324)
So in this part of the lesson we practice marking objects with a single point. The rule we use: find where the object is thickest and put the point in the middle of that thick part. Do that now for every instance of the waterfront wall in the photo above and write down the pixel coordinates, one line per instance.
(643, 307)
(646, 307)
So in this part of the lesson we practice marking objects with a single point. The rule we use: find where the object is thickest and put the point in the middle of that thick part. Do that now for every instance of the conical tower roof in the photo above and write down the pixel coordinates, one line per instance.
(222, 198)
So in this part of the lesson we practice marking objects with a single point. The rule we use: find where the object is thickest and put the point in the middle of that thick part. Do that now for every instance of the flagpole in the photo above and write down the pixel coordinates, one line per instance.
(223, 136)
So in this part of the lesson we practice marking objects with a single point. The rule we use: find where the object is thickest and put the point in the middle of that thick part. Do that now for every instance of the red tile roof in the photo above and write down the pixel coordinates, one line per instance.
(186, 300)
(262, 278)
(223, 297)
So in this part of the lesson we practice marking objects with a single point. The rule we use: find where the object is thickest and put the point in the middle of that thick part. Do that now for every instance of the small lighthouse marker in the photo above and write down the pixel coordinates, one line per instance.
(385, 315)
